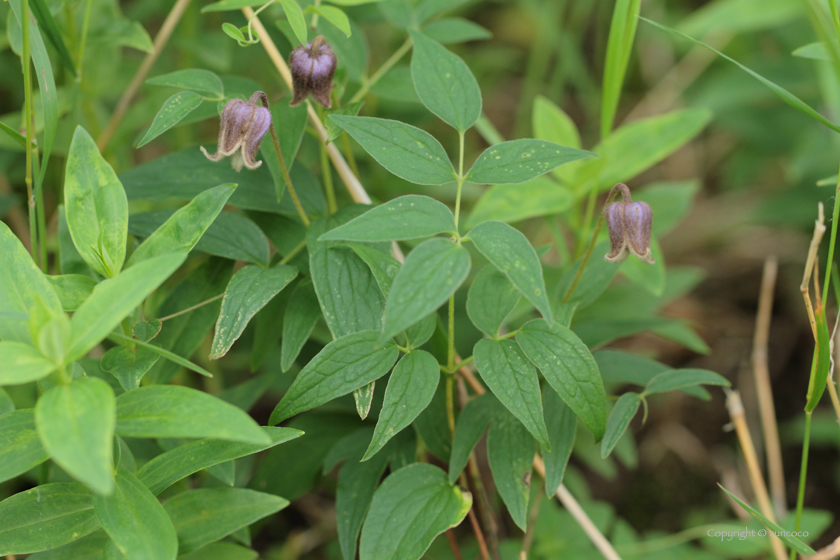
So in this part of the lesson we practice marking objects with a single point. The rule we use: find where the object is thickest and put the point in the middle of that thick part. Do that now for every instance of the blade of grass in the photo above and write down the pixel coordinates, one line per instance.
(619, 47)
(781, 92)
(47, 23)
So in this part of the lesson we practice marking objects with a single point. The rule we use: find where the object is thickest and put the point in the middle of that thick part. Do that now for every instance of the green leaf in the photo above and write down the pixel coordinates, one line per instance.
(675, 380)
(346, 289)
(650, 277)
(412, 507)
(445, 84)
(221, 551)
(472, 421)
(455, 30)
(619, 48)
(173, 111)
(344, 365)
(490, 300)
(96, 206)
(46, 87)
(357, 484)
(511, 455)
(22, 287)
(183, 230)
(268, 326)
(352, 2)
(518, 161)
(791, 541)
(351, 110)
(170, 411)
(562, 428)
(814, 51)
(514, 381)
(406, 151)
(194, 79)
(184, 460)
(432, 272)
(207, 515)
(823, 365)
(47, 23)
(183, 334)
(511, 252)
(301, 316)
(23, 363)
(640, 145)
(352, 52)
(513, 203)
(72, 289)
(20, 448)
(14, 135)
(232, 31)
(410, 390)
(363, 396)
(781, 92)
(90, 547)
(226, 5)
(174, 358)
(46, 517)
(569, 368)
(739, 16)
(406, 217)
(232, 236)
(185, 174)
(6, 403)
(248, 291)
(296, 19)
(551, 123)
(129, 365)
(136, 522)
(334, 15)
(76, 426)
(595, 278)
(623, 412)
(114, 299)
(383, 267)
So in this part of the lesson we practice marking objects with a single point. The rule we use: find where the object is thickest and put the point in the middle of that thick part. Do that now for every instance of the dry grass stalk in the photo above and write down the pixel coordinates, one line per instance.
(736, 412)
(765, 390)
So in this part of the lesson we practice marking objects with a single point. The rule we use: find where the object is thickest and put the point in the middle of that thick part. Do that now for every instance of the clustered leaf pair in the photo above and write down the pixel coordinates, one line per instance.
(244, 123)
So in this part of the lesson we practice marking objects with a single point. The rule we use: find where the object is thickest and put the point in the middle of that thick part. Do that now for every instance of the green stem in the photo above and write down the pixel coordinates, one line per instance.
(571, 290)
(587, 219)
(81, 56)
(285, 170)
(28, 117)
(387, 65)
(326, 171)
(450, 403)
(803, 471)
(298, 248)
(831, 241)
(40, 213)
(460, 179)
(835, 19)
(315, 15)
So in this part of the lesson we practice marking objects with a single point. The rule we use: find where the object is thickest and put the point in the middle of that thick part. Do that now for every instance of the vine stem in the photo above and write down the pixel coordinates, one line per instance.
(803, 471)
(568, 295)
(128, 96)
(27, 87)
(376, 76)
(283, 167)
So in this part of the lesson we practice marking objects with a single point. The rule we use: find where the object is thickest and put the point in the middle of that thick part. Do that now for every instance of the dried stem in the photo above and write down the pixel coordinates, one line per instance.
(160, 41)
(191, 308)
(819, 230)
(454, 545)
(736, 412)
(765, 390)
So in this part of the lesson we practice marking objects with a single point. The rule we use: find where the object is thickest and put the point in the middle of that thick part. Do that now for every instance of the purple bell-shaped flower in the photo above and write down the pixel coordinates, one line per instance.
(313, 66)
(243, 125)
(629, 224)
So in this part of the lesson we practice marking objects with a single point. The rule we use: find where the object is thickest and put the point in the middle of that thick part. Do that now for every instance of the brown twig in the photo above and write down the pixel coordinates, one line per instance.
(479, 537)
(528, 539)
(736, 412)
(765, 390)
(128, 96)
(454, 545)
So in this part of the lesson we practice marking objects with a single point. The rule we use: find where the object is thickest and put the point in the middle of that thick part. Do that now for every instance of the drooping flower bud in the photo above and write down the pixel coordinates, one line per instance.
(629, 224)
(313, 66)
(243, 125)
